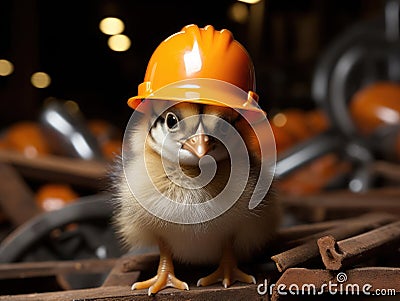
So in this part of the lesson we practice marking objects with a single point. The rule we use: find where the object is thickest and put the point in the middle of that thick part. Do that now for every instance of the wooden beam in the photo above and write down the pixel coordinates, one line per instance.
(52, 268)
(16, 198)
(309, 248)
(69, 170)
(124, 293)
(338, 255)
(127, 270)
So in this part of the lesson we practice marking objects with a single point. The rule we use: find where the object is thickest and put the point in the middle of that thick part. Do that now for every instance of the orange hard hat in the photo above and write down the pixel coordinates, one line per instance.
(197, 53)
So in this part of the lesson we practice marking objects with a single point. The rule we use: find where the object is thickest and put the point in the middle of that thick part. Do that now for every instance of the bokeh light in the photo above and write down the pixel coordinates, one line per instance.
(250, 1)
(40, 80)
(279, 120)
(72, 106)
(6, 68)
(119, 42)
(111, 26)
(239, 12)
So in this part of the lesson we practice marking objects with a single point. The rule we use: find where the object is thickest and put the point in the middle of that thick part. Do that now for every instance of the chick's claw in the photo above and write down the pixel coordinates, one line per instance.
(144, 284)
(228, 275)
(159, 282)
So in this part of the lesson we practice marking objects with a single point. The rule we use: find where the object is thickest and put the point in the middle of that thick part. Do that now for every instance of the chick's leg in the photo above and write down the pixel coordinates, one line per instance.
(227, 271)
(165, 275)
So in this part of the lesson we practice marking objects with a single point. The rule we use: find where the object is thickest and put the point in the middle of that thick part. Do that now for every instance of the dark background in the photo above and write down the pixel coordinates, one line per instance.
(284, 37)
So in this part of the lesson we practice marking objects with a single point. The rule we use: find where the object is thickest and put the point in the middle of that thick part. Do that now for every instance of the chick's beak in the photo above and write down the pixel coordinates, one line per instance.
(198, 145)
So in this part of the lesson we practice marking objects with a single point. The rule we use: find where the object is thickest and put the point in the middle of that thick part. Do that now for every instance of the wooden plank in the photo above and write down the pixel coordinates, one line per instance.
(117, 286)
(309, 248)
(51, 268)
(57, 168)
(16, 198)
(121, 293)
(344, 203)
(386, 169)
(299, 232)
(341, 254)
(383, 198)
(127, 270)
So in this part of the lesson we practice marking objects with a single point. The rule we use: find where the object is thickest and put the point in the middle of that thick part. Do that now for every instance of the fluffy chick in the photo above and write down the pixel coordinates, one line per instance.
(233, 236)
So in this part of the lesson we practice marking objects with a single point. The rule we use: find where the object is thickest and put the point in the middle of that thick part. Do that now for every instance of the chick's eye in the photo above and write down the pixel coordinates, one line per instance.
(172, 121)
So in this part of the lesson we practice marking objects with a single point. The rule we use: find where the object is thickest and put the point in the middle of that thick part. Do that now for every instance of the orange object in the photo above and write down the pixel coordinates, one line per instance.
(292, 126)
(375, 105)
(295, 124)
(198, 53)
(317, 121)
(111, 148)
(100, 128)
(27, 138)
(3, 144)
(55, 196)
(313, 177)
(282, 139)
(107, 136)
(103, 130)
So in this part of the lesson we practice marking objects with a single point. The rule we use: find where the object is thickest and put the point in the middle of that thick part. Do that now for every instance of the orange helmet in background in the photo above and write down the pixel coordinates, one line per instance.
(197, 53)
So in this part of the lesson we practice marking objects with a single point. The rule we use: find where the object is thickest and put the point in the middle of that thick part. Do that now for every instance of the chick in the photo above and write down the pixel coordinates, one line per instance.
(227, 239)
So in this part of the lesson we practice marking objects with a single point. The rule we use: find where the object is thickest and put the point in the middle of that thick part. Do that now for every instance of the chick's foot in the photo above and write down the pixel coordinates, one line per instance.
(227, 276)
(227, 272)
(162, 280)
(165, 275)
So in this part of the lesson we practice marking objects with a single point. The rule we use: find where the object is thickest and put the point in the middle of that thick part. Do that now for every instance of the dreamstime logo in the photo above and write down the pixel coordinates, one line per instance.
(158, 199)
(341, 277)
(338, 287)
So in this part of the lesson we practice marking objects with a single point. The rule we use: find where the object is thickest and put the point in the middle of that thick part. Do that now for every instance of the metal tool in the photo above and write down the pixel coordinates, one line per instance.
(68, 132)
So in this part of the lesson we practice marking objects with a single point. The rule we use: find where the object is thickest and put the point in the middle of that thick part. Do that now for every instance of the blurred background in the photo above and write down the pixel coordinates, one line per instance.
(63, 39)
(327, 75)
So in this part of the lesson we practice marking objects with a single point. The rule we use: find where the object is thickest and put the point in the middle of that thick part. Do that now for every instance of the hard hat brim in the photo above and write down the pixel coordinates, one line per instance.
(202, 91)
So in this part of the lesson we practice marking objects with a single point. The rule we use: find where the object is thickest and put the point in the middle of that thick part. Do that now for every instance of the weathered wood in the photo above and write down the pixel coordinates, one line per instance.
(69, 170)
(139, 262)
(371, 279)
(50, 268)
(300, 232)
(309, 248)
(337, 255)
(16, 198)
(344, 203)
(113, 293)
(386, 169)
(382, 198)
(371, 198)
(127, 270)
